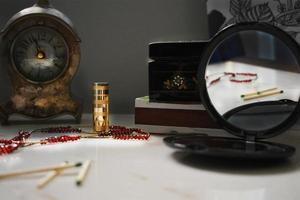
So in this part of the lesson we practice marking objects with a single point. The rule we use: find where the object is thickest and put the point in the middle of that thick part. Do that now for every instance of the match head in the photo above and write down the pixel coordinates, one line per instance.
(79, 164)
(78, 183)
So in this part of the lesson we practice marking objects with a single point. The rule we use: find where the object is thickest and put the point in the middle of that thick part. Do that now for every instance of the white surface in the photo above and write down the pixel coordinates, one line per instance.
(226, 95)
(132, 170)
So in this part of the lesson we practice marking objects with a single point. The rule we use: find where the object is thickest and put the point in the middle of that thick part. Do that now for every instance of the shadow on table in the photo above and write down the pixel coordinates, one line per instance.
(233, 166)
(41, 122)
(17, 119)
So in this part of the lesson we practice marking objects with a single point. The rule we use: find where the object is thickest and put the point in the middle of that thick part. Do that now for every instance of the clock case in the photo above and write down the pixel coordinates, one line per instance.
(40, 100)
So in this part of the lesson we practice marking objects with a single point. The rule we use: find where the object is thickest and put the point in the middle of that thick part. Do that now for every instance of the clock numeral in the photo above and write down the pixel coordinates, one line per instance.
(20, 53)
(24, 44)
(58, 46)
(30, 39)
(42, 36)
(39, 73)
(50, 40)
(31, 72)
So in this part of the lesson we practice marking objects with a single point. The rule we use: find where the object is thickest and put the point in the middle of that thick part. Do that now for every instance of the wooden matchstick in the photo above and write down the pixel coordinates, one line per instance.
(88, 135)
(50, 177)
(83, 172)
(40, 170)
(258, 92)
(263, 95)
(31, 142)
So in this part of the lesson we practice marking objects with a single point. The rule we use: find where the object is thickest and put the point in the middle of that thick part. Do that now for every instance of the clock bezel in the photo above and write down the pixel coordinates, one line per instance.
(12, 57)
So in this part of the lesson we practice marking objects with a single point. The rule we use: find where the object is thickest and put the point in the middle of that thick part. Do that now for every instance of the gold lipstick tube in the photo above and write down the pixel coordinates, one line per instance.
(101, 107)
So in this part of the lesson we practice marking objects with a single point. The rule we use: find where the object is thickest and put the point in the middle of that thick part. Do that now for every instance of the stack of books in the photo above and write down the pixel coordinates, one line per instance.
(170, 117)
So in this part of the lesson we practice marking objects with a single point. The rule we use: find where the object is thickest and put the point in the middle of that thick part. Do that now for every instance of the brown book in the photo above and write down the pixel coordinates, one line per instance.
(166, 114)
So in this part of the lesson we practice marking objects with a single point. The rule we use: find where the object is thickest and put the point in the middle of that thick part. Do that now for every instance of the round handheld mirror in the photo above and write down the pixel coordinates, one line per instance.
(250, 84)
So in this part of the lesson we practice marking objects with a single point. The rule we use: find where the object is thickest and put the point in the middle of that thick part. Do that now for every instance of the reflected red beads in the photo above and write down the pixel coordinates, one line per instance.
(242, 81)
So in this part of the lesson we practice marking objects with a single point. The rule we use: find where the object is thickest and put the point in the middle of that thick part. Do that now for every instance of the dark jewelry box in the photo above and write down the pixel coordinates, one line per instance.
(172, 71)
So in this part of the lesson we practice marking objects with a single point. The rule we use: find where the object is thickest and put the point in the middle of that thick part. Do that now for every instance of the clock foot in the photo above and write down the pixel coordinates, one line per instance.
(4, 121)
(78, 118)
(3, 117)
(78, 114)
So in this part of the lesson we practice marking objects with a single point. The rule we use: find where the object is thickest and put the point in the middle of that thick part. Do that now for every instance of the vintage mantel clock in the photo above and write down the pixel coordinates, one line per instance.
(41, 52)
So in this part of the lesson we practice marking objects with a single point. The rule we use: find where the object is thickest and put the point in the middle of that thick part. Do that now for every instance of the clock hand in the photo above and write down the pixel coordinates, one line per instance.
(38, 48)
(39, 73)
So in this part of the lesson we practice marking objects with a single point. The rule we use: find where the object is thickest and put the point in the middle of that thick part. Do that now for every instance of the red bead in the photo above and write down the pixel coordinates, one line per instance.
(7, 149)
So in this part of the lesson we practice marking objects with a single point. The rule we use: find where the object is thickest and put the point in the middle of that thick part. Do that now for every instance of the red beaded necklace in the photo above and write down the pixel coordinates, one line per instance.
(8, 146)
(11, 145)
(233, 77)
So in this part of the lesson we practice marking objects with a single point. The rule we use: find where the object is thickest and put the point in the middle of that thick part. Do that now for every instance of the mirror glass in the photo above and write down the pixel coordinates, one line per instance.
(253, 80)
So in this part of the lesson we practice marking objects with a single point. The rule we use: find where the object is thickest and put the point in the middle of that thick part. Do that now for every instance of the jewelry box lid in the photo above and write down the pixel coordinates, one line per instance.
(176, 50)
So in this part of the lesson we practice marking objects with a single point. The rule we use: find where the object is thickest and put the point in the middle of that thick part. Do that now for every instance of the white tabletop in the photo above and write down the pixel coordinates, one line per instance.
(130, 170)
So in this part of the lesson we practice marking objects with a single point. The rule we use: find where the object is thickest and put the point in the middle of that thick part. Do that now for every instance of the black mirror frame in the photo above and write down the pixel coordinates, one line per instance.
(212, 44)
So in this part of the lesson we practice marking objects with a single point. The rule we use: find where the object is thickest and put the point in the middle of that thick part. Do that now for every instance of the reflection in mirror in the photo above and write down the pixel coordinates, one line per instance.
(253, 80)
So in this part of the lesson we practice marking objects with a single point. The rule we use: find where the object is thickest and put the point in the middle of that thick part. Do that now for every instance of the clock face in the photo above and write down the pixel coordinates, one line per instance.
(40, 54)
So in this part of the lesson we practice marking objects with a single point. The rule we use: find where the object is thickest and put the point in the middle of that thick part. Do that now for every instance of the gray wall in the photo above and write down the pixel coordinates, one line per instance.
(115, 36)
